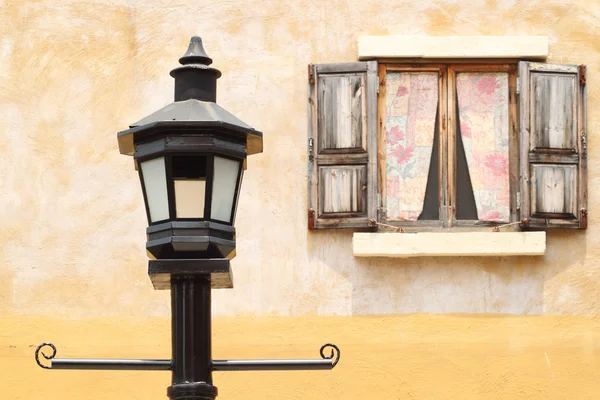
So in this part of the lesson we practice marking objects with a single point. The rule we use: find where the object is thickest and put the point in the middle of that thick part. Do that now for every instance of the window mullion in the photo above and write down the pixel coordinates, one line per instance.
(513, 144)
(381, 146)
(450, 162)
(443, 149)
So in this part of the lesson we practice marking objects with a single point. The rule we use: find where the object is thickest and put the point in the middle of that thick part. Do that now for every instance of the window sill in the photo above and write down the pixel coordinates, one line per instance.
(445, 244)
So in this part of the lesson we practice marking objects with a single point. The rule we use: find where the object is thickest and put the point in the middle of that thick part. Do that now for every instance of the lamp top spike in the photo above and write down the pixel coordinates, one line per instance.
(195, 53)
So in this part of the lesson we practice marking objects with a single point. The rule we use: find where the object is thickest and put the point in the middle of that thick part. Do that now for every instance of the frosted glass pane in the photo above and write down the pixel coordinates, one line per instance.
(237, 198)
(189, 198)
(410, 125)
(224, 183)
(155, 183)
(483, 114)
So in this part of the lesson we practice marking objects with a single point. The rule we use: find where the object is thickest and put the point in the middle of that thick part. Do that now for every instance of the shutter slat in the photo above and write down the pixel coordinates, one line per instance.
(344, 189)
(552, 128)
(554, 188)
(341, 112)
(342, 109)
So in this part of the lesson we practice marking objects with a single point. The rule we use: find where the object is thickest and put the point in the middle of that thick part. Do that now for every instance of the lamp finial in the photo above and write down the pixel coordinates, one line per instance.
(195, 53)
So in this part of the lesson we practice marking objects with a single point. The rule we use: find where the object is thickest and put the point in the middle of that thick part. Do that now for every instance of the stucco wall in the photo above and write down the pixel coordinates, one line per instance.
(73, 73)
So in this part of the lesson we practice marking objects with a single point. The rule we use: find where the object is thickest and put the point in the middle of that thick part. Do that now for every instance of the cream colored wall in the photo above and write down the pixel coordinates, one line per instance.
(73, 73)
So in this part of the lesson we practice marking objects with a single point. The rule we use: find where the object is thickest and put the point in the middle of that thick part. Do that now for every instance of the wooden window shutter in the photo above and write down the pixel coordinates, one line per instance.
(342, 145)
(553, 146)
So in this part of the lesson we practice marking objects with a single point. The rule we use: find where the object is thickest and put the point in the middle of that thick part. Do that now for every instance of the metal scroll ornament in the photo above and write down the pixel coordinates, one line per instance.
(47, 357)
(335, 353)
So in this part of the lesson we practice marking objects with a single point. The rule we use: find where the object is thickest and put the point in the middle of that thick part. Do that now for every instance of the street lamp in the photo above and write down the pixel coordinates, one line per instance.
(190, 156)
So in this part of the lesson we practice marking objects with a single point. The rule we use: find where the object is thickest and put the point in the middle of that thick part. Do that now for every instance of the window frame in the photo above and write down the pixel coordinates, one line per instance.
(447, 71)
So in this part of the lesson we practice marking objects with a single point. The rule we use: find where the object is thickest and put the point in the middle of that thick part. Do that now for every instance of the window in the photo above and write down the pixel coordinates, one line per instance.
(447, 145)
(447, 137)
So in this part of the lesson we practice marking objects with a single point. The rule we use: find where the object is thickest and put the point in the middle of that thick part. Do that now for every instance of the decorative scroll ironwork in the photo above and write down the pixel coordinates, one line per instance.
(335, 353)
(47, 357)
(327, 362)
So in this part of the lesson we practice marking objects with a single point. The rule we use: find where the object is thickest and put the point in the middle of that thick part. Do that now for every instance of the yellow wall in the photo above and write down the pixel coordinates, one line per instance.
(396, 357)
(72, 259)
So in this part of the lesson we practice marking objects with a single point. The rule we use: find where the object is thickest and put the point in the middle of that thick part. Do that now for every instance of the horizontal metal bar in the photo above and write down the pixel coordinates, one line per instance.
(165, 365)
(327, 362)
(110, 364)
(271, 365)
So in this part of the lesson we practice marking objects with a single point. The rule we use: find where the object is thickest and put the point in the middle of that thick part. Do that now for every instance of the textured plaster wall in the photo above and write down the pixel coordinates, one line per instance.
(74, 73)
(72, 259)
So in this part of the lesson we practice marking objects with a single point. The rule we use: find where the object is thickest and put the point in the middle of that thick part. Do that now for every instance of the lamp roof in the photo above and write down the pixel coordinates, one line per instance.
(193, 110)
(194, 106)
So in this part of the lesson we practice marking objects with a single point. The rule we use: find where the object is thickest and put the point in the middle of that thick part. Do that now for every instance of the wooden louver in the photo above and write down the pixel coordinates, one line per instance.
(553, 146)
(342, 145)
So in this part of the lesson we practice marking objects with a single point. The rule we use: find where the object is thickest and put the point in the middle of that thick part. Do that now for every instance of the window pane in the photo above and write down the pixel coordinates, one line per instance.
(483, 130)
(189, 198)
(155, 184)
(410, 128)
(189, 176)
(224, 183)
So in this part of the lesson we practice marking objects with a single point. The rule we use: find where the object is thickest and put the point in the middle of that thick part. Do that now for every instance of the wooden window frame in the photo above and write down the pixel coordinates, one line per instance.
(447, 71)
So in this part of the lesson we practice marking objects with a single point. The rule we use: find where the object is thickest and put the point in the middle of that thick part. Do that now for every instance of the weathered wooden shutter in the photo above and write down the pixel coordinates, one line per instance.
(553, 143)
(342, 145)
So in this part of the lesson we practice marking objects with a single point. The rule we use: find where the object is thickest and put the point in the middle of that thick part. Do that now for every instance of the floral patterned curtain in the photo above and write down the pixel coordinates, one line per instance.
(411, 101)
(483, 114)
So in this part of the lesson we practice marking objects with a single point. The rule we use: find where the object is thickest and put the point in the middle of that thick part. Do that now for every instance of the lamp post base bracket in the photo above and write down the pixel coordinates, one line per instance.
(192, 391)
(219, 269)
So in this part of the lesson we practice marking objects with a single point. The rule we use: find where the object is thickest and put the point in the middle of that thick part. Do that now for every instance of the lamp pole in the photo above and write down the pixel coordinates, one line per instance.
(191, 339)
(191, 156)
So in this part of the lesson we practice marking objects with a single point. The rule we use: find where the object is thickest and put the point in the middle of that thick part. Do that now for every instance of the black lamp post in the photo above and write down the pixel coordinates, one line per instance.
(191, 156)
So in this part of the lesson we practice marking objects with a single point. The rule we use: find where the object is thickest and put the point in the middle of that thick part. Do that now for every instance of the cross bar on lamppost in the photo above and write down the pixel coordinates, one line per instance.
(190, 156)
(326, 362)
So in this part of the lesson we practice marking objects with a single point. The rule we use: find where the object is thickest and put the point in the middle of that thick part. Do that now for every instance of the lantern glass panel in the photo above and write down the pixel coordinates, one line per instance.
(155, 184)
(225, 179)
(237, 196)
(189, 179)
